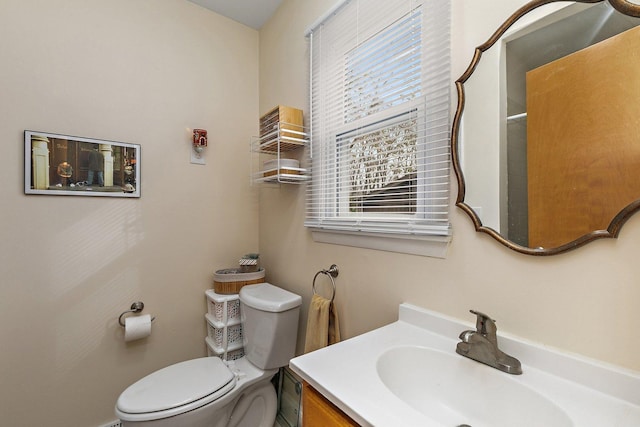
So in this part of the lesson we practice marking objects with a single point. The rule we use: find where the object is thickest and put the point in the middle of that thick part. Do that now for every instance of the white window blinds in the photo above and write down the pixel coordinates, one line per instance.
(380, 88)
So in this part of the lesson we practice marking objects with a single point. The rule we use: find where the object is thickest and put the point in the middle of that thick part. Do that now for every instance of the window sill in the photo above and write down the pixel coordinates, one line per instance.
(430, 246)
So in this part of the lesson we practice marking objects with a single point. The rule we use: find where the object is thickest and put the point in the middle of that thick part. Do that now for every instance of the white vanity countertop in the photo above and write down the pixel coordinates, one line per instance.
(592, 394)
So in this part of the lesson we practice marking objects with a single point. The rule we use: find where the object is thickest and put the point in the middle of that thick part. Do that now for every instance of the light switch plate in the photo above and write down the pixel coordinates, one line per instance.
(197, 159)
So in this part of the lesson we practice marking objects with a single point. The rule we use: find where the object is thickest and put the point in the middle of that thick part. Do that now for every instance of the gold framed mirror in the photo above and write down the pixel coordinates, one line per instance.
(545, 145)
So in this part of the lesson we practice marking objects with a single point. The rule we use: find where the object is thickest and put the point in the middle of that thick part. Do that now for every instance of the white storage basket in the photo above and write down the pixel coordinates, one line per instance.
(230, 354)
(224, 336)
(223, 308)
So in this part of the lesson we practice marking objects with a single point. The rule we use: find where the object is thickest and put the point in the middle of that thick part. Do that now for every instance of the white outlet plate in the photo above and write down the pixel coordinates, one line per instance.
(197, 159)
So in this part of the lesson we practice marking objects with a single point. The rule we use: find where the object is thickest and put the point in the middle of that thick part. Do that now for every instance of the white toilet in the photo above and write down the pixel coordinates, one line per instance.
(208, 392)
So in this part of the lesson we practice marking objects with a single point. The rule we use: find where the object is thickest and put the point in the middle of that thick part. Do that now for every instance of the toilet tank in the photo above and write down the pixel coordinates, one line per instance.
(269, 324)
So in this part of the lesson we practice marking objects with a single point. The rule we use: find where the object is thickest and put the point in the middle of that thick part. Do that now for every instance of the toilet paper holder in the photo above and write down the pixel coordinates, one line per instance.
(136, 307)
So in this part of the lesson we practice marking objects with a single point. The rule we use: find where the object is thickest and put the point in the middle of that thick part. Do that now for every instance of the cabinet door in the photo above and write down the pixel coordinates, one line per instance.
(317, 411)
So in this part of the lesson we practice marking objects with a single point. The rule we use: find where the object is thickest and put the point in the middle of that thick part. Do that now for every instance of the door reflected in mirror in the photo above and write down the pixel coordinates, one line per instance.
(68, 165)
(545, 140)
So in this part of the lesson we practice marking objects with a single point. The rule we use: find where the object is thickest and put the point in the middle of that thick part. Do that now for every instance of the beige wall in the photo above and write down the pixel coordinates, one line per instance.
(141, 72)
(145, 72)
(583, 301)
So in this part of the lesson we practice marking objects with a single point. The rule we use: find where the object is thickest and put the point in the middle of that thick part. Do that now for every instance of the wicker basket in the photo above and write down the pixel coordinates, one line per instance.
(231, 280)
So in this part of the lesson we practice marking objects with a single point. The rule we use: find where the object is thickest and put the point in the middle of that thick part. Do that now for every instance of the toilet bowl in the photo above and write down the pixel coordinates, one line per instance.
(210, 392)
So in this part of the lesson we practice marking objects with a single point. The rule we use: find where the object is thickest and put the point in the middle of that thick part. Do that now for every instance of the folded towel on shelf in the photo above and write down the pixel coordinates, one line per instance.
(323, 327)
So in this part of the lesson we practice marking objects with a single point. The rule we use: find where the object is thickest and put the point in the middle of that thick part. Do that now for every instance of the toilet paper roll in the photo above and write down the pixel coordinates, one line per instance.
(136, 327)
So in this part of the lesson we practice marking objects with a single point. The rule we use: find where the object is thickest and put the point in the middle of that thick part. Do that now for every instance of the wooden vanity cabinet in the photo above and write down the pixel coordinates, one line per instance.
(317, 411)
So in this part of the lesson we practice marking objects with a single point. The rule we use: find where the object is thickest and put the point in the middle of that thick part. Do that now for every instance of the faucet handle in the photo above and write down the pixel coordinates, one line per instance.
(481, 314)
(484, 323)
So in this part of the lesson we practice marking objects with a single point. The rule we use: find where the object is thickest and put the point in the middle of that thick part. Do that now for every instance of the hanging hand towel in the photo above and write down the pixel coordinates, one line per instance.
(323, 327)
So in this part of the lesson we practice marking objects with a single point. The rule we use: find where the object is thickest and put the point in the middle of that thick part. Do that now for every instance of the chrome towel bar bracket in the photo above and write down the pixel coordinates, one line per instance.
(332, 273)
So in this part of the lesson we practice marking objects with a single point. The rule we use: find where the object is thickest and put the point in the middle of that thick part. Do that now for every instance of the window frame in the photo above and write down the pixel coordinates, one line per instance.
(406, 232)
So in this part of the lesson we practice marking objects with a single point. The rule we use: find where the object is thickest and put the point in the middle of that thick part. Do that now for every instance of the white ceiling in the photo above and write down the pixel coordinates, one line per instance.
(252, 13)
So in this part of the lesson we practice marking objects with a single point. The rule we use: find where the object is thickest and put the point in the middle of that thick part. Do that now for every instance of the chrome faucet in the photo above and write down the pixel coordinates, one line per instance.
(482, 345)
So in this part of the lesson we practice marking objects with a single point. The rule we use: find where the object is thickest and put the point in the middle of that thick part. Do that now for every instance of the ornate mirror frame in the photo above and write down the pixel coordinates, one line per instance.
(623, 6)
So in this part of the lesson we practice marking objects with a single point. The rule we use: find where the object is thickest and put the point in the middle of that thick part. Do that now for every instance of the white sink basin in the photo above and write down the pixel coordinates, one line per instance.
(454, 390)
(408, 374)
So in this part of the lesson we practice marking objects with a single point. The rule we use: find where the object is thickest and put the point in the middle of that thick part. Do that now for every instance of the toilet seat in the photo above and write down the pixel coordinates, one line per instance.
(176, 389)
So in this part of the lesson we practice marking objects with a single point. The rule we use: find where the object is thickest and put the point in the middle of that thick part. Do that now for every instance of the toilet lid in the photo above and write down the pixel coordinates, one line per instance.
(178, 385)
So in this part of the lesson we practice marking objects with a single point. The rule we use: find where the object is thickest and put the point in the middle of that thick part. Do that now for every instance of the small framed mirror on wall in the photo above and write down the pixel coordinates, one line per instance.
(545, 139)
(75, 166)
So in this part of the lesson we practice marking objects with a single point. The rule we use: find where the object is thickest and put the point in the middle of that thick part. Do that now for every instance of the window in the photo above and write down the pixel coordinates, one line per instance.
(379, 119)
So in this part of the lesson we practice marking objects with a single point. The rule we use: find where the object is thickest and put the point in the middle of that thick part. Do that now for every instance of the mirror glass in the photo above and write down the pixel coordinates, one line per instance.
(69, 165)
(545, 141)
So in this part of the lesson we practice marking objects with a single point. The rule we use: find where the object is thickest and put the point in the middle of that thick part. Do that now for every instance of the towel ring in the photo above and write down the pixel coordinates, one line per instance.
(136, 307)
(332, 272)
